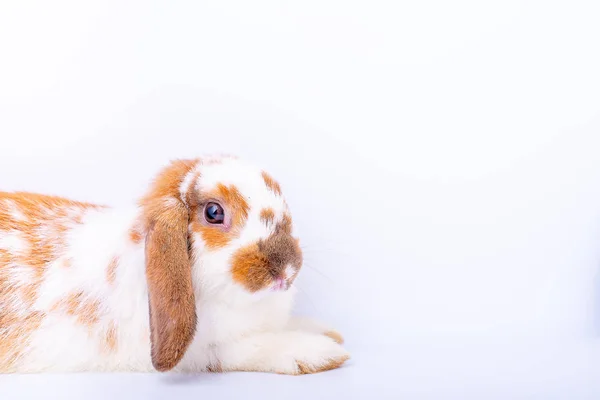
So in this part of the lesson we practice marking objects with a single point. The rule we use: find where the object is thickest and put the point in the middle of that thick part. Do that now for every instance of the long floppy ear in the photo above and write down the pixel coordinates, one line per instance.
(168, 268)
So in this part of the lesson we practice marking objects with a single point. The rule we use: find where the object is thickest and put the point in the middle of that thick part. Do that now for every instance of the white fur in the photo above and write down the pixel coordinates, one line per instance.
(14, 210)
(236, 330)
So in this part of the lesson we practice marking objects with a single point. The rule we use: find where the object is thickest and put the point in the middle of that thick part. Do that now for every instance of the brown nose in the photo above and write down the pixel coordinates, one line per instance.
(257, 265)
(280, 249)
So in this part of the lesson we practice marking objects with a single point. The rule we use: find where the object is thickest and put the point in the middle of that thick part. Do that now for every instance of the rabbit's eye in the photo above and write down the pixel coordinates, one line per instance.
(214, 213)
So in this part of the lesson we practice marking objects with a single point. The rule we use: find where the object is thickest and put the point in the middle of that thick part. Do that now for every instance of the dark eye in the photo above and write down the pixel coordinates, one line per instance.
(214, 213)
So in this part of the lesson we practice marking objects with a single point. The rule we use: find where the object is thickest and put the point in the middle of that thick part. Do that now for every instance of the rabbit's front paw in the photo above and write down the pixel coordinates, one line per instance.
(317, 353)
(286, 352)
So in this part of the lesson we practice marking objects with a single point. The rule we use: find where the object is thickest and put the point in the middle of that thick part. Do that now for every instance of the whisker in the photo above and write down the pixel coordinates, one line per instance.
(307, 297)
(305, 264)
(326, 250)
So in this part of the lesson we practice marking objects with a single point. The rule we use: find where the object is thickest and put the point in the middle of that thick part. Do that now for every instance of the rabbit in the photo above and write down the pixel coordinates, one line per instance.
(196, 276)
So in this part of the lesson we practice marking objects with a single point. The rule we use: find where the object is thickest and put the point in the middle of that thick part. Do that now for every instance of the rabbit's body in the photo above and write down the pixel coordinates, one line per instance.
(70, 311)
(76, 280)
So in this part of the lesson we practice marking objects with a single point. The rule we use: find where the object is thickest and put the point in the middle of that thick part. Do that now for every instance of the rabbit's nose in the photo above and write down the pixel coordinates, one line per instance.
(280, 284)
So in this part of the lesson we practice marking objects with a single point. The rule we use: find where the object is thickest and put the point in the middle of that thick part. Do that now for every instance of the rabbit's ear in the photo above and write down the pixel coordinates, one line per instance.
(168, 268)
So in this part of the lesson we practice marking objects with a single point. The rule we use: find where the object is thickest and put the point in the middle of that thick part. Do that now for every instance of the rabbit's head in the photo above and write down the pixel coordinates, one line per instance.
(216, 224)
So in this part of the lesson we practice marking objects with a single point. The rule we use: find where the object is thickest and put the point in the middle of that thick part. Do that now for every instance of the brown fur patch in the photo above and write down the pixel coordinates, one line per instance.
(5, 257)
(336, 336)
(42, 223)
(214, 367)
(234, 198)
(267, 215)
(110, 338)
(111, 270)
(135, 235)
(167, 183)
(86, 310)
(286, 224)
(256, 265)
(216, 236)
(168, 269)
(250, 268)
(271, 183)
(332, 363)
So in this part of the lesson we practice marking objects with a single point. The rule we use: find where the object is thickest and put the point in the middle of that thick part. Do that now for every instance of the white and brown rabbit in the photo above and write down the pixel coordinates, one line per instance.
(195, 277)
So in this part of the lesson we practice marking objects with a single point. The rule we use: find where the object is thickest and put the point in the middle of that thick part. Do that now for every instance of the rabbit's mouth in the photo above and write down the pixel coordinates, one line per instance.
(283, 281)
(280, 285)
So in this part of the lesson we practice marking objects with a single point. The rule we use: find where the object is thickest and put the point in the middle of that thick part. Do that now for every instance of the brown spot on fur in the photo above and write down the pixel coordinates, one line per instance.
(111, 271)
(30, 294)
(214, 367)
(166, 184)
(267, 215)
(256, 265)
(135, 235)
(232, 196)
(330, 364)
(217, 236)
(214, 237)
(336, 336)
(286, 224)
(250, 268)
(5, 256)
(41, 223)
(86, 310)
(110, 338)
(168, 270)
(271, 183)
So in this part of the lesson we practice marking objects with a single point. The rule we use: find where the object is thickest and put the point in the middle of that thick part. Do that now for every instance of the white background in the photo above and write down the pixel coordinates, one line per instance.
(441, 160)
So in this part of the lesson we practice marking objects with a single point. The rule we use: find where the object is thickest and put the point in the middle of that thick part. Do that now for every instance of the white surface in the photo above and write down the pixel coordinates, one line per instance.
(458, 370)
(440, 158)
